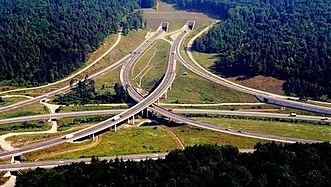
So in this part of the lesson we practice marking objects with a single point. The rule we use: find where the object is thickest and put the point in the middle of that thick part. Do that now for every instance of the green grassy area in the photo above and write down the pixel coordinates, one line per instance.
(68, 123)
(33, 109)
(206, 60)
(189, 88)
(11, 100)
(151, 66)
(23, 140)
(191, 135)
(107, 81)
(145, 139)
(303, 130)
(24, 127)
(148, 139)
(88, 107)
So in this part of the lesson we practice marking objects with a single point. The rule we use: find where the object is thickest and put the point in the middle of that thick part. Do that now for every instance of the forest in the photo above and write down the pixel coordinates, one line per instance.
(85, 93)
(286, 39)
(270, 164)
(42, 41)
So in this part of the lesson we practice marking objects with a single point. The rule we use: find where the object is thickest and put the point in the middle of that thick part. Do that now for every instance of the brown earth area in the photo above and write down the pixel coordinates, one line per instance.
(269, 84)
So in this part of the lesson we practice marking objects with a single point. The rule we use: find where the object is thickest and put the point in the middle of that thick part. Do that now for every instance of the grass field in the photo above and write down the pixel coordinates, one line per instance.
(125, 141)
(145, 139)
(87, 108)
(298, 130)
(69, 123)
(33, 109)
(11, 100)
(23, 140)
(193, 135)
(151, 66)
(24, 127)
(189, 88)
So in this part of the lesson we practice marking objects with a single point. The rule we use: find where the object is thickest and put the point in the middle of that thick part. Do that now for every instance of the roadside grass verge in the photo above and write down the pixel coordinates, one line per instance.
(191, 135)
(11, 100)
(151, 66)
(23, 140)
(189, 88)
(107, 81)
(69, 123)
(77, 108)
(33, 109)
(147, 139)
(24, 127)
(206, 60)
(297, 129)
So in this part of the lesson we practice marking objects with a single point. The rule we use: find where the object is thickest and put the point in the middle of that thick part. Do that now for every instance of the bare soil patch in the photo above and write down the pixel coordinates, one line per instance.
(269, 84)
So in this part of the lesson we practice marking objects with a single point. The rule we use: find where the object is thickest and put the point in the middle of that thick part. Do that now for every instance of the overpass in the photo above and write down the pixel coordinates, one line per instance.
(112, 122)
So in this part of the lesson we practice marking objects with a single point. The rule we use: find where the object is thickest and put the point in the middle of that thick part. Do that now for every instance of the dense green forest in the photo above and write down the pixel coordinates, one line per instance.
(44, 40)
(204, 165)
(85, 93)
(287, 39)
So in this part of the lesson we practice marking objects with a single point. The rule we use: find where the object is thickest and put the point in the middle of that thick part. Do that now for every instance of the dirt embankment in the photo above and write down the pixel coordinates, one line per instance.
(260, 82)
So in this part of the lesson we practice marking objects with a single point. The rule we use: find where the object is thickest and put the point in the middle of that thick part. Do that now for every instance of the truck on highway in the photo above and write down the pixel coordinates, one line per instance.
(293, 114)
(68, 136)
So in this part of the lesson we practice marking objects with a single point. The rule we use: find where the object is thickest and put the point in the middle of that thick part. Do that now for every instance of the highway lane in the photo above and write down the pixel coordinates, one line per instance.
(125, 80)
(107, 123)
(51, 164)
(177, 111)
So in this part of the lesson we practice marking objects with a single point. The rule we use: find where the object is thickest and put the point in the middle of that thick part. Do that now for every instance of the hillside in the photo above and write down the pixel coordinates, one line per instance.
(289, 40)
(44, 40)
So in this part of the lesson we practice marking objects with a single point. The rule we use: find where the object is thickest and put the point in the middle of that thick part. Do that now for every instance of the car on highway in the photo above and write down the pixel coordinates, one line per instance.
(293, 114)
(116, 118)
(68, 136)
(325, 119)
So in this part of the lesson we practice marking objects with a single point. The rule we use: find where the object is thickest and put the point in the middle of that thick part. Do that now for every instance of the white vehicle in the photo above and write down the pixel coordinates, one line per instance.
(68, 136)
(116, 118)
(292, 114)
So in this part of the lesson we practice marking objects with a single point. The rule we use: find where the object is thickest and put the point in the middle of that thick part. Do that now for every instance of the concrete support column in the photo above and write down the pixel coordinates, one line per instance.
(115, 129)
(93, 137)
(158, 102)
(12, 159)
(166, 95)
(133, 120)
(147, 112)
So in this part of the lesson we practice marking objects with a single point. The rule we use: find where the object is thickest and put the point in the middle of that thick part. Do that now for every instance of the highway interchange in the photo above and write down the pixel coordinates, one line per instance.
(145, 103)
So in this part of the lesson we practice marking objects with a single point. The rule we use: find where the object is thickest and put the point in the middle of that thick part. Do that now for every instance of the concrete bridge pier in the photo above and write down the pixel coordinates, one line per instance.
(133, 120)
